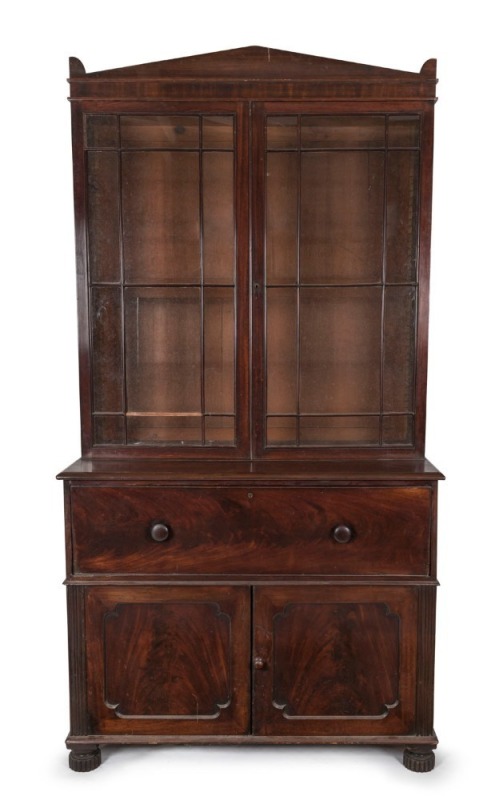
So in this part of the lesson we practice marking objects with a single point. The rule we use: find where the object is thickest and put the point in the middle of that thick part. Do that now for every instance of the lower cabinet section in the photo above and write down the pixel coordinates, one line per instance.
(270, 661)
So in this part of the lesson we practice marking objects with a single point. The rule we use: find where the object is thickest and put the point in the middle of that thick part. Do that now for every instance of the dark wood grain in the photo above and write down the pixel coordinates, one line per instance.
(247, 472)
(160, 675)
(426, 660)
(168, 660)
(265, 530)
(386, 741)
(339, 661)
(68, 529)
(256, 61)
(82, 276)
(426, 172)
(342, 665)
(253, 71)
(80, 723)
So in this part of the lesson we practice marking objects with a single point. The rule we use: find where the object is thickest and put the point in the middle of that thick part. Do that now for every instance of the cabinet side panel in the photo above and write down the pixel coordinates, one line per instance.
(424, 275)
(68, 529)
(426, 659)
(77, 661)
(80, 203)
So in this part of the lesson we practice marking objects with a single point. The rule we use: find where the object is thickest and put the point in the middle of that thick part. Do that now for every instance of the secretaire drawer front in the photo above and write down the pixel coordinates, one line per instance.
(244, 531)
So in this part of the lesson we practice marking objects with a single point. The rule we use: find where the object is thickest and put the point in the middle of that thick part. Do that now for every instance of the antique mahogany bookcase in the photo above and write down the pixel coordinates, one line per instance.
(251, 529)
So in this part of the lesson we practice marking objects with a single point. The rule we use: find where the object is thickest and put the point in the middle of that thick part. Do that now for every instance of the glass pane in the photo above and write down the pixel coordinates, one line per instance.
(339, 430)
(281, 431)
(398, 430)
(403, 131)
(101, 131)
(218, 218)
(219, 335)
(282, 389)
(402, 216)
(219, 430)
(281, 217)
(166, 131)
(104, 216)
(218, 132)
(340, 131)
(157, 429)
(282, 133)
(161, 235)
(340, 350)
(399, 348)
(163, 347)
(107, 363)
(109, 429)
(341, 237)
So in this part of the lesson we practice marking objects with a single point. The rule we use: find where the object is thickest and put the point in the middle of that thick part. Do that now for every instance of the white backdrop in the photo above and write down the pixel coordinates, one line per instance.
(39, 391)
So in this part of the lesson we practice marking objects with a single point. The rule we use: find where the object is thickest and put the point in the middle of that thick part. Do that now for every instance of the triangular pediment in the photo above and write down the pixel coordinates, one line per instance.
(253, 63)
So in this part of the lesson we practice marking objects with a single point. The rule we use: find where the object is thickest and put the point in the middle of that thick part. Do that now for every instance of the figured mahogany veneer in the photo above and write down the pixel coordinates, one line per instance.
(251, 528)
(168, 660)
(339, 660)
(243, 531)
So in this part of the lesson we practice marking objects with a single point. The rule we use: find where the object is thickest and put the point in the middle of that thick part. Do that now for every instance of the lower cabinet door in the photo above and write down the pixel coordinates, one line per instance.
(333, 661)
(168, 660)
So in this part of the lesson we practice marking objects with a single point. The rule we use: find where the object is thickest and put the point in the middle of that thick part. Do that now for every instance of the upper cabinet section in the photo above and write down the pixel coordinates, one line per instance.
(253, 238)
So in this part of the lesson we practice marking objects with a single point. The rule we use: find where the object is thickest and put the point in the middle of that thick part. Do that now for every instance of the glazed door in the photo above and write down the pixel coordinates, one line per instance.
(334, 661)
(167, 256)
(168, 660)
(336, 229)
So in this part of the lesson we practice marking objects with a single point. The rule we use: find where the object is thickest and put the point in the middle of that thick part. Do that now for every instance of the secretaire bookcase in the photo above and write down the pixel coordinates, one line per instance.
(251, 528)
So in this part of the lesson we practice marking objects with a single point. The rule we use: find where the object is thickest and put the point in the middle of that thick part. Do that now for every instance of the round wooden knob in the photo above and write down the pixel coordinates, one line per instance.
(258, 663)
(159, 532)
(342, 534)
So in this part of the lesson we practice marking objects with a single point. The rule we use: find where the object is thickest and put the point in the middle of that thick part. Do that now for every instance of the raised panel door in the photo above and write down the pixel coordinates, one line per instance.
(168, 660)
(335, 660)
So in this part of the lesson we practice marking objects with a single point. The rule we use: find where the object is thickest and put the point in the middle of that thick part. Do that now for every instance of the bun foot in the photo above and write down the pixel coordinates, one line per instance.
(419, 760)
(84, 760)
